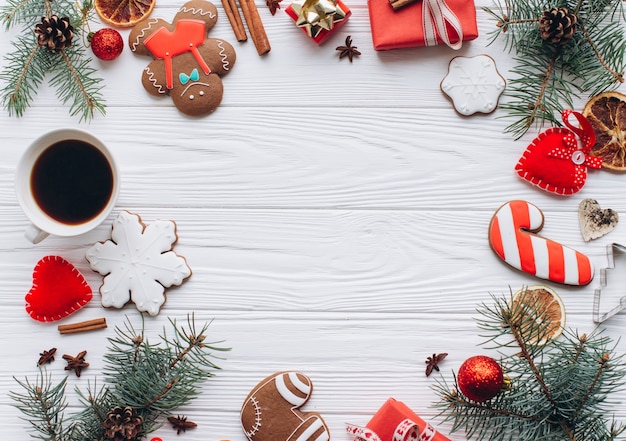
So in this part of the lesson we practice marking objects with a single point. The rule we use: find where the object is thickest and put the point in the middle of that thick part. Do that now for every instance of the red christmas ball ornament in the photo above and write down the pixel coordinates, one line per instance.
(480, 378)
(107, 44)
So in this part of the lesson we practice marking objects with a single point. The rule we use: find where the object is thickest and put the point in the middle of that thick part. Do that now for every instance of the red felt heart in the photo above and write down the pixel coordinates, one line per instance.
(58, 290)
(555, 162)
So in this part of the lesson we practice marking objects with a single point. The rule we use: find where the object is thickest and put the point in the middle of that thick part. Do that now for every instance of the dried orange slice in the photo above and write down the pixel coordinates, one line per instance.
(607, 114)
(540, 312)
(123, 13)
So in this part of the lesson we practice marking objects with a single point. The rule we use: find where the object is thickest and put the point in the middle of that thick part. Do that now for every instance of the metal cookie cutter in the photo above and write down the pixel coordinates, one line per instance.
(613, 250)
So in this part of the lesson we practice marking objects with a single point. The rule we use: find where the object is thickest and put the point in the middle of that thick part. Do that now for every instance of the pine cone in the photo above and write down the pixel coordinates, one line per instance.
(122, 424)
(557, 25)
(54, 33)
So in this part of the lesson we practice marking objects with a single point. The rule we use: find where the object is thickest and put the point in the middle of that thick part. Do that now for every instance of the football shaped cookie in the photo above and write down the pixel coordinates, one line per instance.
(271, 411)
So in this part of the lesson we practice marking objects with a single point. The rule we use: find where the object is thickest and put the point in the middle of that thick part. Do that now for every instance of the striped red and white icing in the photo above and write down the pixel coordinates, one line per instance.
(511, 234)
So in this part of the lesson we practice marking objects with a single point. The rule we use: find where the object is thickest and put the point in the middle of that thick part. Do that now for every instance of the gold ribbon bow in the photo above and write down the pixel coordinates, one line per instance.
(317, 15)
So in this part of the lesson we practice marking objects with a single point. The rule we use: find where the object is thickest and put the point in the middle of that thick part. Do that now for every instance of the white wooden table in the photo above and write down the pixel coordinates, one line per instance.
(334, 215)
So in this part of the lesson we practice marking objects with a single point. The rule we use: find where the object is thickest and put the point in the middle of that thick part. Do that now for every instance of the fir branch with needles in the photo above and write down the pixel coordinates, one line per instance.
(557, 390)
(143, 382)
(547, 76)
(67, 69)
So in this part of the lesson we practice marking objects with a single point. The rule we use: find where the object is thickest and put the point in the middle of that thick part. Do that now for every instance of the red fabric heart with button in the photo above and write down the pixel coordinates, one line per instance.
(58, 290)
(556, 161)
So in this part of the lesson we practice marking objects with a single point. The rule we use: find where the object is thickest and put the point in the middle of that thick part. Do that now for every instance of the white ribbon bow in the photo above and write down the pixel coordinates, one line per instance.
(435, 15)
(407, 430)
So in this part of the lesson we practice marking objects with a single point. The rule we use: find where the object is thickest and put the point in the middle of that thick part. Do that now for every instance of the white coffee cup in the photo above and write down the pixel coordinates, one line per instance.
(67, 183)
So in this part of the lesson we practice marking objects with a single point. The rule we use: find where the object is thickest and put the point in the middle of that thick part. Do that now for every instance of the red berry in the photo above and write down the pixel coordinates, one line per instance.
(107, 44)
(480, 378)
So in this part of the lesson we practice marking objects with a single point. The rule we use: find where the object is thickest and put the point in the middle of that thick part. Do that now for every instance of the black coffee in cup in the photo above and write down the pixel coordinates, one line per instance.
(72, 181)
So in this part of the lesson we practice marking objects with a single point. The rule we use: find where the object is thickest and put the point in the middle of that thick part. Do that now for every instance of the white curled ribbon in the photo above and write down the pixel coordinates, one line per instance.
(435, 15)
(407, 430)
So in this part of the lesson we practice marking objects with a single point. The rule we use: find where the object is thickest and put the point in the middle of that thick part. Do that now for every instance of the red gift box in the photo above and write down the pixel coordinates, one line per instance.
(394, 418)
(323, 34)
(397, 29)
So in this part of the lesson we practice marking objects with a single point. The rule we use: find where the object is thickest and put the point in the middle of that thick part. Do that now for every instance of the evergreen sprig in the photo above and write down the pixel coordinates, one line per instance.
(29, 65)
(153, 379)
(557, 391)
(547, 76)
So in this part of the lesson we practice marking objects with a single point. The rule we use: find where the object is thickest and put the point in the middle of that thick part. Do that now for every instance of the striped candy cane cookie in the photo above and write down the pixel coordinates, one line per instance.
(511, 235)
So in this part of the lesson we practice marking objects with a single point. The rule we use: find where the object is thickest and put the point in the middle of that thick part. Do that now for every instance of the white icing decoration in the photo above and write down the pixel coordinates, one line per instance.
(225, 62)
(289, 396)
(310, 431)
(191, 97)
(149, 25)
(197, 11)
(257, 417)
(509, 227)
(194, 84)
(137, 263)
(154, 81)
(299, 384)
(201, 93)
(473, 84)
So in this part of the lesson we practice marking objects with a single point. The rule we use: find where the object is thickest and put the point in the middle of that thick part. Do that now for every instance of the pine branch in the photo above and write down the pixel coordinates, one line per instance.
(558, 391)
(23, 76)
(29, 65)
(548, 76)
(43, 405)
(75, 83)
(152, 379)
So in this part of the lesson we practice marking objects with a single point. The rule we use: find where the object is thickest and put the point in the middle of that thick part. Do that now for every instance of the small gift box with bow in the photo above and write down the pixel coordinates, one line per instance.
(319, 19)
(394, 421)
(423, 23)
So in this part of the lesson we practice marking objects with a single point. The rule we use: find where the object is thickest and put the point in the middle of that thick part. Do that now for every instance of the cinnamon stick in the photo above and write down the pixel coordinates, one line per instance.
(255, 26)
(398, 4)
(88, 325)
(232, 12)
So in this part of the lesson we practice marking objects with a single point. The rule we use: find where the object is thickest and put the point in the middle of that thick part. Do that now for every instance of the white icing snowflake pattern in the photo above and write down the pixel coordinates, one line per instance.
(473, 84)
(137, 263)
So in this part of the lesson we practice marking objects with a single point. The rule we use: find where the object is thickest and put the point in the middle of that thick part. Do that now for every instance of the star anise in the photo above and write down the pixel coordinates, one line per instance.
(273, 5)
(77, 364)
(348, 50)
(433, 362)
(46, 356)
(181, 424)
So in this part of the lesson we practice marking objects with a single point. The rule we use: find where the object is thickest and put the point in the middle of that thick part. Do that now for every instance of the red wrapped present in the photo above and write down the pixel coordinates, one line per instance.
(318, 18)
(395, 421)
(424, 23)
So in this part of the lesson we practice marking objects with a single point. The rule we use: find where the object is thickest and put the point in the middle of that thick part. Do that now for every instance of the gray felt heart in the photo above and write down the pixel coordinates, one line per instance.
(595, 222)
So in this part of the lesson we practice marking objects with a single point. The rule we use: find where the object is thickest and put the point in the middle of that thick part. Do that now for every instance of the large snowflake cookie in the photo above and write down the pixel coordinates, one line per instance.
(473, 84)
(271, 411)
(138, 263)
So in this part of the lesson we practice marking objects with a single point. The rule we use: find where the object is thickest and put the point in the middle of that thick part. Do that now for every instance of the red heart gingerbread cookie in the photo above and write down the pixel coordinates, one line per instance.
(58, 290)
(555, 162)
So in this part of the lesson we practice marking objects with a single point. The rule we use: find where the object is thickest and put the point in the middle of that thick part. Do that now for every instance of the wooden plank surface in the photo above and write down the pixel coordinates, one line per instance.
(334, 215)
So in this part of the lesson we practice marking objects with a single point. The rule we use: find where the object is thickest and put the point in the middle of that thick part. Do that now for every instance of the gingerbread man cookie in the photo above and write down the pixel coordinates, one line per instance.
(187, 64)
(271, 411)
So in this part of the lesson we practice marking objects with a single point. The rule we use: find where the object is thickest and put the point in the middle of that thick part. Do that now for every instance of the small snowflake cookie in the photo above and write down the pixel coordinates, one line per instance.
(138, 263)
(473, 84)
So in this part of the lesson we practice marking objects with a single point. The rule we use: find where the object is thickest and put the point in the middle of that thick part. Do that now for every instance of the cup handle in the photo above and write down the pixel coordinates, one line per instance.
(35, 234)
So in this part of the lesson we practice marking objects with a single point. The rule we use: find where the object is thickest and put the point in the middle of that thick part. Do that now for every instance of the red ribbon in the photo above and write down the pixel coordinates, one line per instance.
(407, 430)
(579, 155)
(436, 15)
